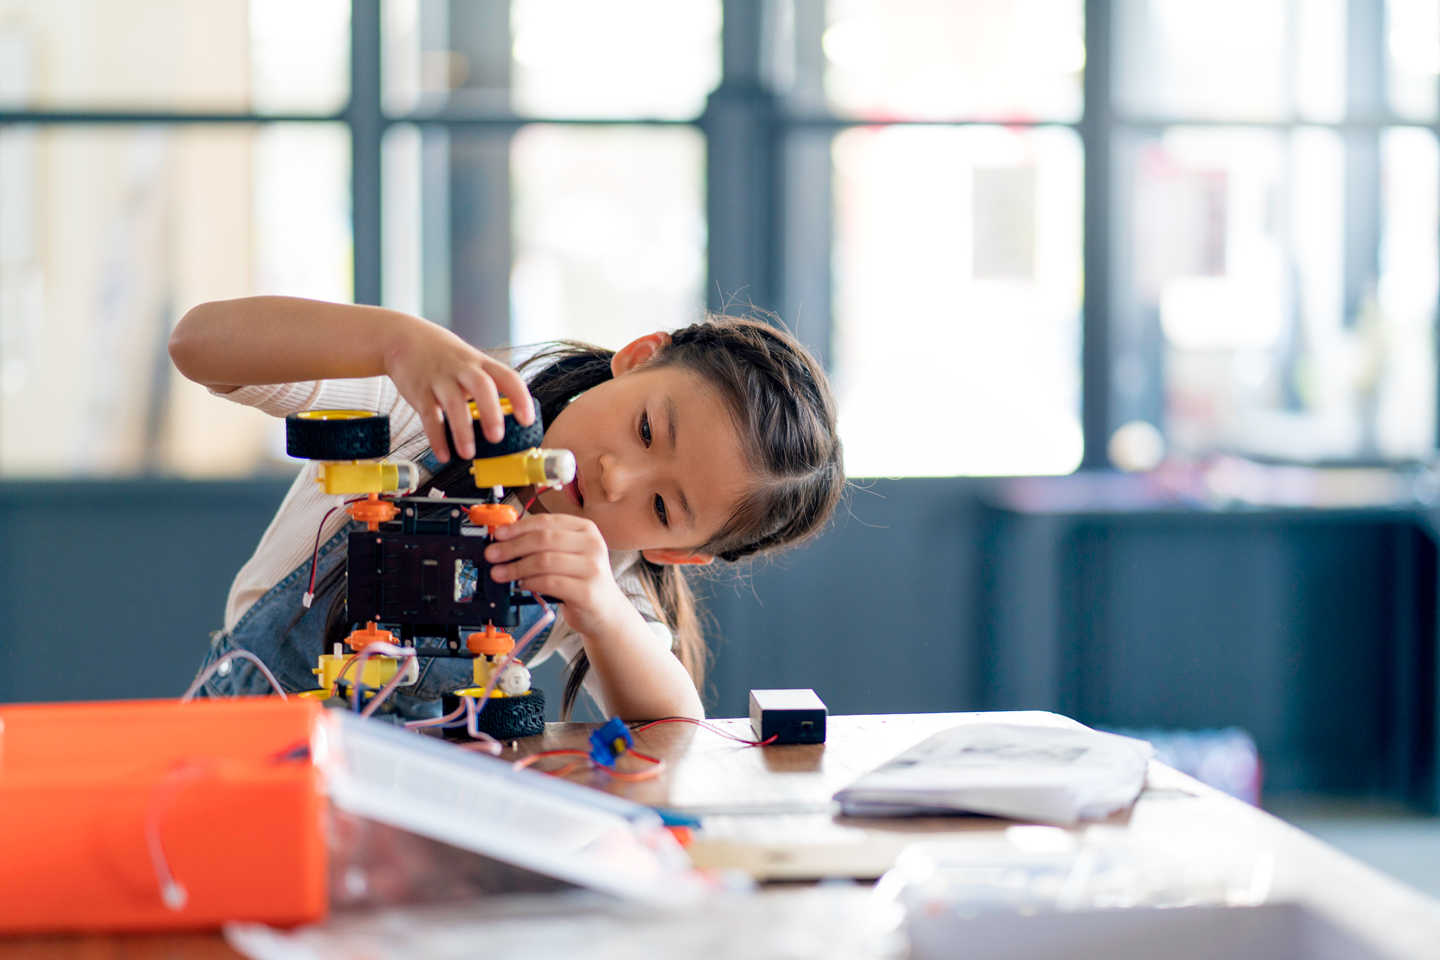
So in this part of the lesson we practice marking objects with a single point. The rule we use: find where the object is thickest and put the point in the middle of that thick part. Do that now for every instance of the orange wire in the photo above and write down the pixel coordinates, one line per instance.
(655, 770)
(524, 762)
(647, 774)
(569, 768)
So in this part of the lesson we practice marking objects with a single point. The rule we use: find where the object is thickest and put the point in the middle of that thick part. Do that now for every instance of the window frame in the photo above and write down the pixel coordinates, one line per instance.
(768, 208)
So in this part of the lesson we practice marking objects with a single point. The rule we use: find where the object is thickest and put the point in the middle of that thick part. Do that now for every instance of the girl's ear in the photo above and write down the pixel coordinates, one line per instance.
(677, 557)
(637, 352)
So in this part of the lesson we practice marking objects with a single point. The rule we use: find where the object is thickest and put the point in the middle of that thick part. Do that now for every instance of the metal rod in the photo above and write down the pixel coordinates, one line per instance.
(1096, 132)
(367, 128)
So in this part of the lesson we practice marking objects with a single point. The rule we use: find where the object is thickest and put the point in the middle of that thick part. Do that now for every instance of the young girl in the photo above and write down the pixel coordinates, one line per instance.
(716, 440)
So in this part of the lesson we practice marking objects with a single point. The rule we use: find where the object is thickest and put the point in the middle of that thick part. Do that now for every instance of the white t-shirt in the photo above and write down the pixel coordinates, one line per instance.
(289, 541)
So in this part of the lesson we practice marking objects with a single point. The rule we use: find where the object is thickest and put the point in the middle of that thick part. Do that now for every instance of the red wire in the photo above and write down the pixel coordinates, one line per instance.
(315, 554)
(701, 723)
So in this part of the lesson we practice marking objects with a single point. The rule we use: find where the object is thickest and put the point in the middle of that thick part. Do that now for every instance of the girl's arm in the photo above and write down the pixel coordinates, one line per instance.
(566, 557)
(233, 343)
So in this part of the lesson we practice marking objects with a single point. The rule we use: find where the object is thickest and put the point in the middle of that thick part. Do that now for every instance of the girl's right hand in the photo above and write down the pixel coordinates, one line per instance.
(438, 374)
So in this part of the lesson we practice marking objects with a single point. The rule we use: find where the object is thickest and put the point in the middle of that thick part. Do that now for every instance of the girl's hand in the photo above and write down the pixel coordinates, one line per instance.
(564, 557)
(438, 374)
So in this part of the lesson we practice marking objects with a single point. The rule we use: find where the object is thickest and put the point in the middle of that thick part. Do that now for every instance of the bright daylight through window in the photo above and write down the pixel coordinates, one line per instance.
(1268, 237)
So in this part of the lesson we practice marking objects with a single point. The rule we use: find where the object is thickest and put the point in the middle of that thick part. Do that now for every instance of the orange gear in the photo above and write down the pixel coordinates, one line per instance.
(491, 643)
(360, 639)
(372, 511)
(493, 514)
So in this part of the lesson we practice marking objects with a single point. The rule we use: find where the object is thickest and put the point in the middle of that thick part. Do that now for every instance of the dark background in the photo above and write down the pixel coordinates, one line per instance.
(1313, 630)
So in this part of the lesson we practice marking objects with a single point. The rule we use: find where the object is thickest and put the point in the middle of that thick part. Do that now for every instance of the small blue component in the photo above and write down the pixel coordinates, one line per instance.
(608, 742)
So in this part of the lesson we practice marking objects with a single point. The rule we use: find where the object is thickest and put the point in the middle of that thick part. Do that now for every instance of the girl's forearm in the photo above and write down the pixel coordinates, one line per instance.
(235, 343)
(640, 681)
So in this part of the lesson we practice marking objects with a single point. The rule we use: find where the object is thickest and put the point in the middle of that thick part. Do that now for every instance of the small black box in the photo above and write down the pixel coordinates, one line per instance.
(790, 716)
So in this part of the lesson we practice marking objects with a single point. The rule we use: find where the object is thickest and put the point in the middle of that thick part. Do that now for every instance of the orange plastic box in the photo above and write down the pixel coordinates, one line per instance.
(100, 803)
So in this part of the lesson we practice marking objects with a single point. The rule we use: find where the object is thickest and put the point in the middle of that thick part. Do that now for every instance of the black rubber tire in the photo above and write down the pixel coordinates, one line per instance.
(364, 438)
(504, 718)
(517, 438)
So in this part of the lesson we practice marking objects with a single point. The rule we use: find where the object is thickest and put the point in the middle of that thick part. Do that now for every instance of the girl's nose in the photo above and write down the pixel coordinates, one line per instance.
(616, 477)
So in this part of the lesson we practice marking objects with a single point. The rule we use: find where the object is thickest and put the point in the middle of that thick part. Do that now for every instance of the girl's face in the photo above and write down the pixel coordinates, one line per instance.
(658, 460)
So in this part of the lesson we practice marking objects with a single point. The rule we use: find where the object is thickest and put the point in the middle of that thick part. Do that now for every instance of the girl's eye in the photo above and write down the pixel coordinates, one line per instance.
(645, 430)
(660, 511)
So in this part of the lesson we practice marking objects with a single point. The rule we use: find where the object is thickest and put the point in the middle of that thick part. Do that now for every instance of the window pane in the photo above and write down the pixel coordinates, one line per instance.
(609, 230)
(1274, 339)
(1230, 59)
(957, 300)
(552, 58)
(1401, 327)
(204, 55)
(1413, 28)
(949, 60)
(107, 236)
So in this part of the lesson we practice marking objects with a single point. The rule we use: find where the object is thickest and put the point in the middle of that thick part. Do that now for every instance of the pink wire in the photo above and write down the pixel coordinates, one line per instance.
(172, 892)
(389, 650)
(385, 691)
(701, 723)
(450, 717)
(486, 742)
(547, 618)
(211, 670)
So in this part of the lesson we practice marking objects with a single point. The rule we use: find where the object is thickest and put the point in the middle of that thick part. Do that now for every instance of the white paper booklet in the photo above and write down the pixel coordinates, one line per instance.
(521, 817)
(1058, 774)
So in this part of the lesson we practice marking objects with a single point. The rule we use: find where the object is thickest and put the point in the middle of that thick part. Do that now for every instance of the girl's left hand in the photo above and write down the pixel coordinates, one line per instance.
(565, 557)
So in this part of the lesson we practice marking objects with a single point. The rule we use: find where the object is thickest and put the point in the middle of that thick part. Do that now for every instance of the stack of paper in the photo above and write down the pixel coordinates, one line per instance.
(1025, 772)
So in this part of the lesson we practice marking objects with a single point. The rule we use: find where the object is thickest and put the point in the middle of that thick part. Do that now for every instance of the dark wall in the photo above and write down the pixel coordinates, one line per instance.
(880, 615)
(1313, 630)
(110, 589)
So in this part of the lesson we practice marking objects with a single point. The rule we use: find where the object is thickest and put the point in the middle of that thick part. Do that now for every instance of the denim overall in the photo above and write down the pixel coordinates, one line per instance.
(289, 638)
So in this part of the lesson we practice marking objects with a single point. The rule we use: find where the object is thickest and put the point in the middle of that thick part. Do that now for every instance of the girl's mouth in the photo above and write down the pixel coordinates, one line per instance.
(572, 489)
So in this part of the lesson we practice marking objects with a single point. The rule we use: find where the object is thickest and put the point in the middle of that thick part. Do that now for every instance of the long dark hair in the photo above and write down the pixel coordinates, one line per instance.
(781, 402)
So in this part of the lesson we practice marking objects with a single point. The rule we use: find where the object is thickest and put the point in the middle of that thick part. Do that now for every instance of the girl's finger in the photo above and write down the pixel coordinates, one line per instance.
(544, 564)
(487, 404)
(434, 425)
(513, 386)
(457, 411)
(553, 585)
(539, 541)
(545, 521)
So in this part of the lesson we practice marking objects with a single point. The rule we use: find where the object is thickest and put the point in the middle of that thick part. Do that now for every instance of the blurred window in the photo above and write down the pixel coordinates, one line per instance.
(957, 249)
(110, 231)
(222, 56)
(1275, 283)
(955, 59)
(107, 235)
(613, 60)
(609, 232)
(957, 259)
(1230, 59)
(1264, 223)
(516, 232)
